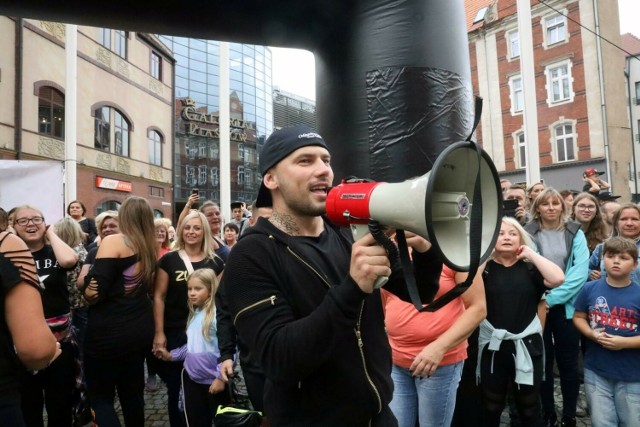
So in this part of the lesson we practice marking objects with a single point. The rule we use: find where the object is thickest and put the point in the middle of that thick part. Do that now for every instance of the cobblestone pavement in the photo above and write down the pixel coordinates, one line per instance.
(156, 409)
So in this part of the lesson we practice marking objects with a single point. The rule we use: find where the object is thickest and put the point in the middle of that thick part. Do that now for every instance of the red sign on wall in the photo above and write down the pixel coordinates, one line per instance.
(113, 184)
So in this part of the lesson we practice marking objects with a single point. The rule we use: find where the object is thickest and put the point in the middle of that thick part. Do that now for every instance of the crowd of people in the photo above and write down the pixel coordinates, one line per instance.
(292, 299)
(104, 296)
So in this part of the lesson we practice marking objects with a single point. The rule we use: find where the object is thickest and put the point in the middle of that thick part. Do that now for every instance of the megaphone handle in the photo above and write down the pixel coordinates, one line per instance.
(359, 230)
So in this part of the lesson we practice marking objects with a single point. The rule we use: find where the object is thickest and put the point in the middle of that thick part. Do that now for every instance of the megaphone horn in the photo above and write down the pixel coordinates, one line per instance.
(437, 205)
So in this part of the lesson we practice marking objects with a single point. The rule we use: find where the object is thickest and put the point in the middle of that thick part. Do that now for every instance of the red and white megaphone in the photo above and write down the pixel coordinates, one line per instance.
(437, 206)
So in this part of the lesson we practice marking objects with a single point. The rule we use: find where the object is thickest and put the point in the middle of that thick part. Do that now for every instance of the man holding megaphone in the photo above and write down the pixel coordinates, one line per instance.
(302, 295)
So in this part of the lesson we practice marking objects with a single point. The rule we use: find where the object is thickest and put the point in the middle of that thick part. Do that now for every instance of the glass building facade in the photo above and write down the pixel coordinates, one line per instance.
(197, 90)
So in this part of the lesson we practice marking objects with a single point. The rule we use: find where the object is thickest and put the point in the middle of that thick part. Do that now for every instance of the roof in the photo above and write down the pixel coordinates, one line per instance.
(630, 43)
(471, 8)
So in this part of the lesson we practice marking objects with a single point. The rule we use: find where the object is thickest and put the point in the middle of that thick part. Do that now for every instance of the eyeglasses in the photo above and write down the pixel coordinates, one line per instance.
(36, 220)
(586, 207)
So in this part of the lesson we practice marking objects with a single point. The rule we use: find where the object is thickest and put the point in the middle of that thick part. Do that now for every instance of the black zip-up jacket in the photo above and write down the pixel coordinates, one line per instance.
(322, 346)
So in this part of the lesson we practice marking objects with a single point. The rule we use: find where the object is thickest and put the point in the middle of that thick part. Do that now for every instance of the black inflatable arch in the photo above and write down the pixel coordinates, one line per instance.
(393, 80)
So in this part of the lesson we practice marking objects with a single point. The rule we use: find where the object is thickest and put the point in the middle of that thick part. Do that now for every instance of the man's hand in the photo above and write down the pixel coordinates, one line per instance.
(368, 262)
(226, 370)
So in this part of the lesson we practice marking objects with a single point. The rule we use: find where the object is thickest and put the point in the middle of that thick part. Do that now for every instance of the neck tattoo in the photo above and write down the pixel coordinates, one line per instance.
(285, 222)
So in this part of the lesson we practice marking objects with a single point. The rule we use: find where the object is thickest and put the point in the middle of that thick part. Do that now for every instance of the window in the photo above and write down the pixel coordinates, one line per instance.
(480, 15)
(104, 37)
(202, 174)
(513, 41)
(155, 147)
(190, 175)
(102, 130)
(559, 83)
(202, 149)
(110, 205)
(109, 121)
(122, 134)
(51, 112)
(114, 40)
(156, 66)
(517, 95)
(191, 149)
(564, 139)
(521, 150)
(213, 151)
(214, 176)
(120, 43)
(556, 29)
(156, 191)
(241, 177)
(637, 93)
(241, 152)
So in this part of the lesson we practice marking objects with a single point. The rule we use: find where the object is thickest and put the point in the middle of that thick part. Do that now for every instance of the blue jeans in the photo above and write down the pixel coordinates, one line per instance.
(613, 403)
(431, 400)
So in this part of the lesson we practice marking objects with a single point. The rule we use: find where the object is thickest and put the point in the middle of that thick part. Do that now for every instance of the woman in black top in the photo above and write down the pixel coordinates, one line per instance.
(25, 339)
(171, 310)
(51, 387)
(76, 210)
(515, 279)
(120, 328)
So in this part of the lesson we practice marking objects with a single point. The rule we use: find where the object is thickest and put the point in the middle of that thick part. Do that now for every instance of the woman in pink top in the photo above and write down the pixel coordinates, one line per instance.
(429, 349)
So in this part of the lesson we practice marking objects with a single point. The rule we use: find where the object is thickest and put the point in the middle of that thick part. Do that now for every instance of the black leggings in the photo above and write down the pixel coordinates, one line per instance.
(497, 374)
(200, 405)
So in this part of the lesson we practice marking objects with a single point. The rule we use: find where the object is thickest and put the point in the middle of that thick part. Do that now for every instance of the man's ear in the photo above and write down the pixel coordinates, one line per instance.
(270, 180)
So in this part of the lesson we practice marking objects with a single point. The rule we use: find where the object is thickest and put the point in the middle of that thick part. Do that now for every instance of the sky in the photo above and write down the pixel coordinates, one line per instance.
(294, 70)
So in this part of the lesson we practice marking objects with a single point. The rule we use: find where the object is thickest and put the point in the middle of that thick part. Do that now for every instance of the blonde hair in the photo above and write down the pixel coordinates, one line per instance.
(207, 277)
(103, 216)
(618, 214)
(525, 238)
(69, 231)
(205, 246)
(162, 223)
(136, 223)
(546, 194)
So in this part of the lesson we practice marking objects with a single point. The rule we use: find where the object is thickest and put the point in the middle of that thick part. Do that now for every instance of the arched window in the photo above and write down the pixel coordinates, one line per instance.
(110, 121)
(51, 112)
(109, 205)
(155, 147)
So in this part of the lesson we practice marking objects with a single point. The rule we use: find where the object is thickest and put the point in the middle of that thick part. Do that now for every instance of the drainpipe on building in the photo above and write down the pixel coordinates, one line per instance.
(603, 107)
(627, 73)
(19, 53)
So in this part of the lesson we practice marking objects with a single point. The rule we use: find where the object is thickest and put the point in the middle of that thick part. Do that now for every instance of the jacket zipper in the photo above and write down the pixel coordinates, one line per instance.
(316, 272)
(271, 299)
(364, 364)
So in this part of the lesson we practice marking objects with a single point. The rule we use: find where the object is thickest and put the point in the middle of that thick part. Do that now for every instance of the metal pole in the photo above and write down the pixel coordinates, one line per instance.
(225, 134)
(530, 112)
(70, 112)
